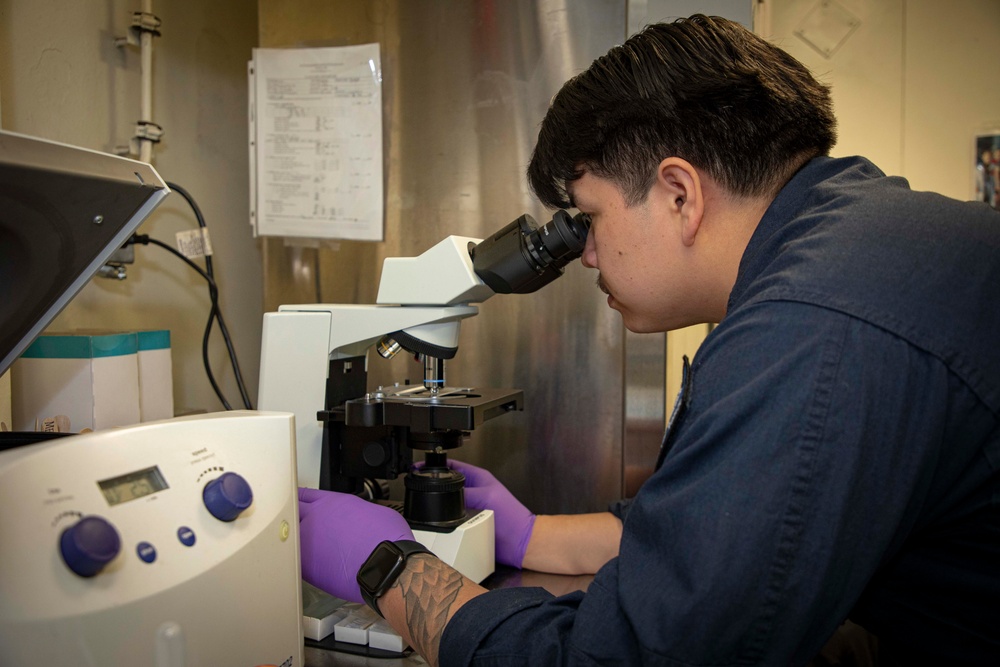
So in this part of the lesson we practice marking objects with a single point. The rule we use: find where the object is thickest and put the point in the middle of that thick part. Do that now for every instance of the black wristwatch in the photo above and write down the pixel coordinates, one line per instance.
(386, 562)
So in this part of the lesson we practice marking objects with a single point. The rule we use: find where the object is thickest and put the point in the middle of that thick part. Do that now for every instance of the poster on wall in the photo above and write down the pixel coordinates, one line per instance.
(987, 168)
(316, 142)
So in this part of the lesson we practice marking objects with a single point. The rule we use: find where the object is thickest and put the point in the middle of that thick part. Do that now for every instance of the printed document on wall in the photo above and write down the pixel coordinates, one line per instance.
(316, 142)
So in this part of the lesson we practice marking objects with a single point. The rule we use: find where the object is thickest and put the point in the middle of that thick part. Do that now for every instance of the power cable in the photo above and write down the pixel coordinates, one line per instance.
(215, 313)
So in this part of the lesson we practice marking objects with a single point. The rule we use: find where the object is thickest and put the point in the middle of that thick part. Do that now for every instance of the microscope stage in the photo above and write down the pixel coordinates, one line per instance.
(419, 409)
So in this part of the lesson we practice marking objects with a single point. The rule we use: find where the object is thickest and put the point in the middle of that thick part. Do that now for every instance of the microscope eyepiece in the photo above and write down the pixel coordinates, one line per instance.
(522, 258)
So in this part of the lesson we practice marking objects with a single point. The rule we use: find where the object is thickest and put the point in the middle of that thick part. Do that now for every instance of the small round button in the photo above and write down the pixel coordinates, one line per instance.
(146, 552)
(186, 536)
(227, 496)
(88, 545)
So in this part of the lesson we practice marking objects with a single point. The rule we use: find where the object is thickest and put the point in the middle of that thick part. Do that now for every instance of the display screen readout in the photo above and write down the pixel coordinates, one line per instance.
(133, 485)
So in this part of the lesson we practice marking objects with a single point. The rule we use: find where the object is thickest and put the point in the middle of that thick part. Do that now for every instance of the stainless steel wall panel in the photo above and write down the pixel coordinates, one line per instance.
(465, 86)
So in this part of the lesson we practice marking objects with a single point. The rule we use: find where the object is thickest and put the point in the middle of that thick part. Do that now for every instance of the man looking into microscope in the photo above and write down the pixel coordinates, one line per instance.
(834, 452)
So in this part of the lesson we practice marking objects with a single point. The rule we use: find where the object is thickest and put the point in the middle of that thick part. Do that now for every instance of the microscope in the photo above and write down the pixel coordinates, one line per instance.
(353, 439)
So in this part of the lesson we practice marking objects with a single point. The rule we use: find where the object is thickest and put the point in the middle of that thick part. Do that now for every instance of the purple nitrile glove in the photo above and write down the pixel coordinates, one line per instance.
(337, 533)
(513, 521)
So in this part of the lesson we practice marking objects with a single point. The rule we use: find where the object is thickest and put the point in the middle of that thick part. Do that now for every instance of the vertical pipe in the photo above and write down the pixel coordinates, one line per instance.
(146, 74)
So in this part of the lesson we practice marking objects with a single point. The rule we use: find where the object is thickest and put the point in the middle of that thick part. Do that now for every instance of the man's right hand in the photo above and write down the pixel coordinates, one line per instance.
(513, 521)
(560, 544)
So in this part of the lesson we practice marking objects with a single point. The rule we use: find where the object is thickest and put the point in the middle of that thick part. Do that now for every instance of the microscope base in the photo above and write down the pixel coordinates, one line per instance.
(469, 548)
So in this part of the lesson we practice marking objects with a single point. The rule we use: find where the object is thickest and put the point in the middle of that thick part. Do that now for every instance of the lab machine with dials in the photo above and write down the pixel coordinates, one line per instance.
(169, 544)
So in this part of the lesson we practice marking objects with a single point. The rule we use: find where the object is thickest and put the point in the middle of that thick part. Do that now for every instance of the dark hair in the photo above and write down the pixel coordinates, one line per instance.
(704, 89)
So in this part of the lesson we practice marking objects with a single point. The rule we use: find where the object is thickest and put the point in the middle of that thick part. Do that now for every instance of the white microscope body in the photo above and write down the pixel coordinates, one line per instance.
(314, 364)
(425, 297)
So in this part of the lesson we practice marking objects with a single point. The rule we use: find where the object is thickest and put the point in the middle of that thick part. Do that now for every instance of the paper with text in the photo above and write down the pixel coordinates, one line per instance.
(316, 142)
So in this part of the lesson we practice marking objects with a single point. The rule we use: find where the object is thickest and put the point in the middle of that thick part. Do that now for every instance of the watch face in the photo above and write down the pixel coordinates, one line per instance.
(382, 561)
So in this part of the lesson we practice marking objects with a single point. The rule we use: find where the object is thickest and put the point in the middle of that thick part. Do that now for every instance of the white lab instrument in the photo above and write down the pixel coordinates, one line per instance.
(314, 364)
(169, 544)
(300, 342)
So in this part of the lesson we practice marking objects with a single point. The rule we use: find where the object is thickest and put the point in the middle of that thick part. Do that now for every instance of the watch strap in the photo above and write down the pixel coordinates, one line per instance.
(404, 549)
(411, 548)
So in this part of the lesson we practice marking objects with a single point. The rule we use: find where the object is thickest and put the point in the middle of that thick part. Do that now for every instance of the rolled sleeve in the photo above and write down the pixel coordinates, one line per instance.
(480, 616)
(620, 508)
(532, 627)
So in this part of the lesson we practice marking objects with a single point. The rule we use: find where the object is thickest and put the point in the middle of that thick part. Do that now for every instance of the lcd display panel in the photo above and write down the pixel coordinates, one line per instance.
(133, 485)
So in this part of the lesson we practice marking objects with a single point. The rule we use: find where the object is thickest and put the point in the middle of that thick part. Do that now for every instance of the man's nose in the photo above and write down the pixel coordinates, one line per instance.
(589, 256)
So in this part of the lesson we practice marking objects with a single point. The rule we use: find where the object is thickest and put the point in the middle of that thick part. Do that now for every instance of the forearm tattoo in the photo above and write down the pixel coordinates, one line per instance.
(430, 589)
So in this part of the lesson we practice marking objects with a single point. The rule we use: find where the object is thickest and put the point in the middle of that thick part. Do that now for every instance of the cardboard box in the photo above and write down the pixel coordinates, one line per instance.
(92, 378)
(156, 379)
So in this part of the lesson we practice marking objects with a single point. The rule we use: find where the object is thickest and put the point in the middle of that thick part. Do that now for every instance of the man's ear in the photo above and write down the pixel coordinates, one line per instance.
(681, 184)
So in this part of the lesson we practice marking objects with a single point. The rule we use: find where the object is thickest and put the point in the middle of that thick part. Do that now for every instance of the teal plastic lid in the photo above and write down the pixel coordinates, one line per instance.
(82, 346)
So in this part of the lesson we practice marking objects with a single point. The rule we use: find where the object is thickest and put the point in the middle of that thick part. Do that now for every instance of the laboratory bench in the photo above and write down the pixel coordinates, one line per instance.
(504, 577)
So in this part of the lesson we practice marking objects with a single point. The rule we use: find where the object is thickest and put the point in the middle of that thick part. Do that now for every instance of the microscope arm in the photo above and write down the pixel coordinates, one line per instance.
(299, 341)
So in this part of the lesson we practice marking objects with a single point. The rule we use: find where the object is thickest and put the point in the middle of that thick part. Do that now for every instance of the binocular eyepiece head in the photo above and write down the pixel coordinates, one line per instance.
(523, 257)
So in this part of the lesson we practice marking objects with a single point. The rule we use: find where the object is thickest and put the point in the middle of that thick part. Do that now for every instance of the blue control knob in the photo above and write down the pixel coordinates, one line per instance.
(227, 496)
(89, 544)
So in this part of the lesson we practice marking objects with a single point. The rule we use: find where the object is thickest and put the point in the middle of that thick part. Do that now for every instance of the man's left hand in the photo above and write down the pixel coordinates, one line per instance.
(337, 533)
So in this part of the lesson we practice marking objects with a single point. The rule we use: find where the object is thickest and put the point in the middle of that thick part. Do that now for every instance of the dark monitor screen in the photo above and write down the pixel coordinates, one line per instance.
(63, 211)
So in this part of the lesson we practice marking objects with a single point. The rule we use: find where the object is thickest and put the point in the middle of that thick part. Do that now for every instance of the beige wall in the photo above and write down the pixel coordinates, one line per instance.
(912, 86)
(61, 78)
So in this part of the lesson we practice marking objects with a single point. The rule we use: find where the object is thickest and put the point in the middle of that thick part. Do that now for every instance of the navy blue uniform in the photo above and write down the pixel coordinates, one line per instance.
(836, 455)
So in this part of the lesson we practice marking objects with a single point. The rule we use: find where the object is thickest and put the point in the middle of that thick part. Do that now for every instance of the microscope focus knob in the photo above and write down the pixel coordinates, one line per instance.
(89, 544)
(227, 496)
